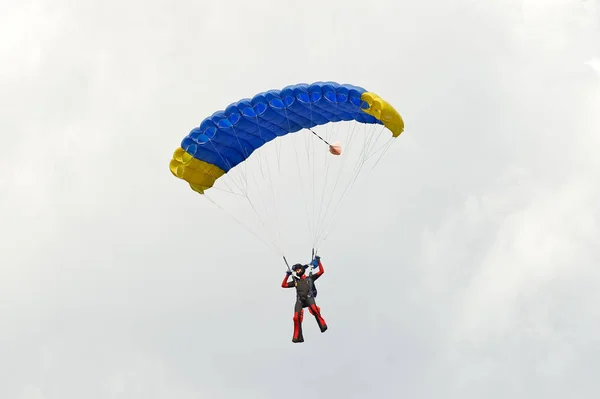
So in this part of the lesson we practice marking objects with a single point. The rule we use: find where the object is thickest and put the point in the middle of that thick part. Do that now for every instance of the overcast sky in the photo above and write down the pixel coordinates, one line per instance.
(469, 268)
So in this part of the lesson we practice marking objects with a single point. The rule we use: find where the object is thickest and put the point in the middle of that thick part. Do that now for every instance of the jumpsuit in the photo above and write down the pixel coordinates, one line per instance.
(305, 299)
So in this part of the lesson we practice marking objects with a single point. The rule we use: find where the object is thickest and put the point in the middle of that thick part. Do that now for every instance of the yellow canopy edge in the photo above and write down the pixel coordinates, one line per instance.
(382, 110)
(199, 174)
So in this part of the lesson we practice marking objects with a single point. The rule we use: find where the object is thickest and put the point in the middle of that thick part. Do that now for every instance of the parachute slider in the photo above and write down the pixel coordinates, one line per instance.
(335, 149)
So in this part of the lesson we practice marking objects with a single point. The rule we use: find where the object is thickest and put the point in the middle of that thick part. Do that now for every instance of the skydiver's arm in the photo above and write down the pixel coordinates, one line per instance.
(287, 284)
(320, 272)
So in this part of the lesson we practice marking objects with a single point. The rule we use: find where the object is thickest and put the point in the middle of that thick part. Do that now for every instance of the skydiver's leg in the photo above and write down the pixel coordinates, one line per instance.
(316, 311)
(298, 317)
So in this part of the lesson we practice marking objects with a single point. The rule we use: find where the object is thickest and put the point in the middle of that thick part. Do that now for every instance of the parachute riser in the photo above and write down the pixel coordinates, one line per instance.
(289, 269)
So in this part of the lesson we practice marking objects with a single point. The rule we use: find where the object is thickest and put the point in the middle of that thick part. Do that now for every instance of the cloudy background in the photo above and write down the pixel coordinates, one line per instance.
(474, 265)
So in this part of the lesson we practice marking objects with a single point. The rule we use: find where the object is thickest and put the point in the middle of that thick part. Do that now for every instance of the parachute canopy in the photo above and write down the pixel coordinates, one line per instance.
(228, 137)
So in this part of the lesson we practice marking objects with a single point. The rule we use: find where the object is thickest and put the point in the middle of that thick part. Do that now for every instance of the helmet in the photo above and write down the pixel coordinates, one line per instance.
(301, 267)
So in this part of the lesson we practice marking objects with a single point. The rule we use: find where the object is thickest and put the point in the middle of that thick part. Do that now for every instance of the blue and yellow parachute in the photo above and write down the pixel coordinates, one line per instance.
(228, 137)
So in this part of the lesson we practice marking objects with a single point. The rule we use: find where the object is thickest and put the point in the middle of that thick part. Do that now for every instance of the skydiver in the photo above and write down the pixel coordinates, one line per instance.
(305, 296)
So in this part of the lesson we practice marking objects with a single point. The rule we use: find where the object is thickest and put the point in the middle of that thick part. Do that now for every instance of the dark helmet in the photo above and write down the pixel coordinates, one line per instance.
(299, 268)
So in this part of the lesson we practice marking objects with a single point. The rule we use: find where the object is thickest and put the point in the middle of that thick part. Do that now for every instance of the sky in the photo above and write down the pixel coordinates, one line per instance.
(466, 268)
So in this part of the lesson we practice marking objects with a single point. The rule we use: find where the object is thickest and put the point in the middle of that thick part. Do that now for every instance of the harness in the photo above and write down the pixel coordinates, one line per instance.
(312, 288)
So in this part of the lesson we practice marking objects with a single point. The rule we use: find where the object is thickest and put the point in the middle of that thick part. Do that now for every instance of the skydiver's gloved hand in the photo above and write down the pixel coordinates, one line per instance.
(315, 262)
(289, 273)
